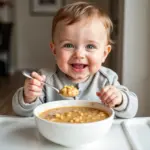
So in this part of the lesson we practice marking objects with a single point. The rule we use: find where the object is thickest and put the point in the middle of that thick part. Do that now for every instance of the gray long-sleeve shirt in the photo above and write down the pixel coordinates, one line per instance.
(88, 89)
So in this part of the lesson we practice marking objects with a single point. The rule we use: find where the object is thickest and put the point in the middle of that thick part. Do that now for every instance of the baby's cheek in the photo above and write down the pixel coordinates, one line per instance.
(94, 66)
(63, 66)
(61, 59)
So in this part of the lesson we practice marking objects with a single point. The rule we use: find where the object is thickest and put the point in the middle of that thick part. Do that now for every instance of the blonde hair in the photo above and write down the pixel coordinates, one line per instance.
(74, 12)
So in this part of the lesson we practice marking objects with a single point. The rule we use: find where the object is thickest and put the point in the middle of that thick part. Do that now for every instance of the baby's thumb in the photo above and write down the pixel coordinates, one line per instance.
(44, 77)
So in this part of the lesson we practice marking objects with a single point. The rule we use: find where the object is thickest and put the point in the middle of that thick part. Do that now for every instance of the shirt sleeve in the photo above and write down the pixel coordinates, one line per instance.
(25, 109)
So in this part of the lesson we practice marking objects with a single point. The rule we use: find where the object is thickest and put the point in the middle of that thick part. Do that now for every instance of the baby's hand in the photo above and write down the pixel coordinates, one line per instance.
(110, 96)
(33, 87)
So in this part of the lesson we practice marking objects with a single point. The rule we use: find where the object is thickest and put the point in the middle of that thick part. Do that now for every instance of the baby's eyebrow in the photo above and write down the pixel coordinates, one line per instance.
(92, 41)
(65, 39)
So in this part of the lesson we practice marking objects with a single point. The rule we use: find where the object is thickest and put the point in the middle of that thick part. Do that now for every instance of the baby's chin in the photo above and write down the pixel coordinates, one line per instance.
(77, 79)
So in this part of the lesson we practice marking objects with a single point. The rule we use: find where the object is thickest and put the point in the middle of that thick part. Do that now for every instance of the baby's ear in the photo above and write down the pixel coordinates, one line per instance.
(106, 52)
(52, 47)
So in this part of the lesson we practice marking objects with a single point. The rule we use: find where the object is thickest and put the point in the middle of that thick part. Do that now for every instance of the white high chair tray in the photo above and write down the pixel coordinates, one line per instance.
(22, 134)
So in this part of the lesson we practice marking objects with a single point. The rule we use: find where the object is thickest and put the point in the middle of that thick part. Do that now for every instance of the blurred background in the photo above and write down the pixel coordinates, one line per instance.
(25, 33)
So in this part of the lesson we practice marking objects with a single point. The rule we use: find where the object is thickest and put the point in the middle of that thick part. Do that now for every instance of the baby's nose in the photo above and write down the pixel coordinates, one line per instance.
(79, 54)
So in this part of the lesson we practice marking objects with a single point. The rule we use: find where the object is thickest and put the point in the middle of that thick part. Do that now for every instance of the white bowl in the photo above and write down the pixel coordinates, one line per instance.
(73, 135)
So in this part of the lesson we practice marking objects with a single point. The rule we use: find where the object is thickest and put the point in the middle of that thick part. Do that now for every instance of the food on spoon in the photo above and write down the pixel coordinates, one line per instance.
(74, 114)
(69, 91)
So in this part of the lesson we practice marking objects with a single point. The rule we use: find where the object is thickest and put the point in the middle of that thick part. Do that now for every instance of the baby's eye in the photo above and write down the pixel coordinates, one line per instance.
(68, 45)
(91, 46)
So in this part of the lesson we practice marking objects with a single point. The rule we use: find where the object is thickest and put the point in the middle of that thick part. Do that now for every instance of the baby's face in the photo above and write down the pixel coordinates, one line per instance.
(80, 48)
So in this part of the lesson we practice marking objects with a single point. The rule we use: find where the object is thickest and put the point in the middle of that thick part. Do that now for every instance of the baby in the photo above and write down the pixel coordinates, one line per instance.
(80, 44)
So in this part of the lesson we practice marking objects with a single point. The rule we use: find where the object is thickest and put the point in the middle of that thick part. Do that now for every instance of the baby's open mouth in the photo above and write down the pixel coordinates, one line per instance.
(79, 66)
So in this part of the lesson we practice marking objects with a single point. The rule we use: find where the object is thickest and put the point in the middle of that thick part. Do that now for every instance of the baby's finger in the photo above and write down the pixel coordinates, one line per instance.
(44, 77)
(34, 94)
(111, 98)
(30, 82)
(34, 88)
(37, 76)
(98, 94)
(35, 82)
(107, 95)
(104, 90)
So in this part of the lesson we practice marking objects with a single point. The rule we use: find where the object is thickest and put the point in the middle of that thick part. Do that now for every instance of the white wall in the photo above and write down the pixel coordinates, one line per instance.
(32, 38)
(136, 55)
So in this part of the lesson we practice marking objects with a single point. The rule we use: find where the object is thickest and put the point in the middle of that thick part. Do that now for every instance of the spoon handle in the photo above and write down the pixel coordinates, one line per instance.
(28, 75)
(51, 86)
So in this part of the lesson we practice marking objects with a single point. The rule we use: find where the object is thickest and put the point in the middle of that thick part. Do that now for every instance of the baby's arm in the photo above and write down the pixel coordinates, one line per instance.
(30, 96)
(123, 101)
(129, 106)
(25, 109)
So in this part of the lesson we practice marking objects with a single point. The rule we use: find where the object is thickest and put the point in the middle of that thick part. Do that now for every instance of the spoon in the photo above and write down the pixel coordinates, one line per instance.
(28, 75)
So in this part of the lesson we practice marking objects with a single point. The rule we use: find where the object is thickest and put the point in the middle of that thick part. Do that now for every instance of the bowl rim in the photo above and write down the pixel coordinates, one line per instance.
(75, 124)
